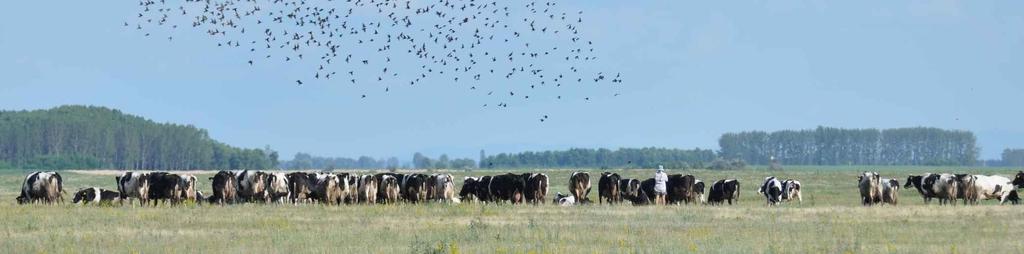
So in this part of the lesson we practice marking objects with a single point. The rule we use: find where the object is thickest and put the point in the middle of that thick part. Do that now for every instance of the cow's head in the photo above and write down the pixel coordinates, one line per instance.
(81, 194)
(1019, 180)
(911, 179)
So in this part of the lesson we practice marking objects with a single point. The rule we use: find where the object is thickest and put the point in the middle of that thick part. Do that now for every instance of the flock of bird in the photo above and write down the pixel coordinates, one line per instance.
(493, 48)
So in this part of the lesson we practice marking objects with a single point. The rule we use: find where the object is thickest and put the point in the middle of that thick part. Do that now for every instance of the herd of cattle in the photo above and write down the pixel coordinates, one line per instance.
(232, 187)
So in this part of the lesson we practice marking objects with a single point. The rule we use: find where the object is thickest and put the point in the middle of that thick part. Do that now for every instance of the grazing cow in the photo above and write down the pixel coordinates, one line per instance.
(95, 195)
(225, 188)
(536, 187)
(681, 188)
(328, 188)
(387, 189)
(647, 188)
(300, 186)
(278, 187)
(724, 190)
(252, 186)
(367, 189)
(918, 182)
(133, 185)
(608, 188)
(944, 186)
(189, 190)
(579, 187)
(564, 200)
(890, 191)
(772, 190)
(992, 187)
(46, 187)
(629, 188)
(469, 186)
(869, 184)
(444, 188)
(165, 186)
(507, 187)
(791, 191)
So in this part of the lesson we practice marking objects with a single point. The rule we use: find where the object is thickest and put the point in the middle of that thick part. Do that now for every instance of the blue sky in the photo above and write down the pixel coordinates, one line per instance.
(694, 70)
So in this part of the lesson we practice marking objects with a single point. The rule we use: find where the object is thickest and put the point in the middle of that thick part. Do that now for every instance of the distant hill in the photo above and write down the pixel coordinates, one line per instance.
(87, 137)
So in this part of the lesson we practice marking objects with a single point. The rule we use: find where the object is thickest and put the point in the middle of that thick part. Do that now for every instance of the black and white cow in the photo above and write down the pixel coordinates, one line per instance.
(682, 189)
(252, 186)
(225, 188)
(300, 187)
(46, 187)
(791, 191)
(722, 191)
(444, 188)
(869, 184)
(95, 195)
(415, 188)
(944, 186)
(387, 189)
(991, 187)
(917, 181)
(629, 188)
(278, 187)
(772, 190)
(890, 191)
(189, 191)
(536, 187)
(564, 200)
(327, 189)
(367, 189)
(579, 186)
(133, 185)
(608, 188)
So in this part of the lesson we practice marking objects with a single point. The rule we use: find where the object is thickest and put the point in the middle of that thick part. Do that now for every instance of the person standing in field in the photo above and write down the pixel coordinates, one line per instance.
(660, 186)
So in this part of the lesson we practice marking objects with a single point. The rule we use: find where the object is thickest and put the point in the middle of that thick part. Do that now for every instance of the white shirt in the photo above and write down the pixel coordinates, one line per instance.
(660, 180)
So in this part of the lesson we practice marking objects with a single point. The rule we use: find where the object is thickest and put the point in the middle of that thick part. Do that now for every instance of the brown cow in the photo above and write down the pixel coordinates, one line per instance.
(579, 186)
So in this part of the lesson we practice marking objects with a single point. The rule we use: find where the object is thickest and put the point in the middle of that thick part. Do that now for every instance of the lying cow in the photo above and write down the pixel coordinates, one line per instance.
(46, 187)
(772, 190)
(95, 195)
(579, 186)
(133, 185)
(608, 188)
(564, 200)
(727, 190)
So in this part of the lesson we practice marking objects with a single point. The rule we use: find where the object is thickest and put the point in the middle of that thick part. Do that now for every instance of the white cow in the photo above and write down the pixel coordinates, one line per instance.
(791, 191)
(444, 188)
(277, 187)
(890, 190)
(992, 187)
(565, 200)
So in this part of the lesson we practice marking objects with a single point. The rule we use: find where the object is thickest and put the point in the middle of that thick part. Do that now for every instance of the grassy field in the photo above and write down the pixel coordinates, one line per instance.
(830, 220)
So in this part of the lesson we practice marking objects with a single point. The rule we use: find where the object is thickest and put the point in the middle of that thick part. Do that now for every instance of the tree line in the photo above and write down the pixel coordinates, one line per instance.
(87, 137)
(305, 161)
(602, 158)
(837, 146)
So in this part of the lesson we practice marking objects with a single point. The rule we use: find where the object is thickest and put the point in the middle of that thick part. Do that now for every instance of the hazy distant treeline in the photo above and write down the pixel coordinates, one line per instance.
(835, 146)
(602, 158)
(70, 137)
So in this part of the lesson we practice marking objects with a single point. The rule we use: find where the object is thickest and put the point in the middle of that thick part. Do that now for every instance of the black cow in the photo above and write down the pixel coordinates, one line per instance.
(1019, 180)
(95, 195)
(469, 188)
(682, 188)
(165, 186)
(507, 187)
(224, 188)
(579, 186)
(608, 188)
(724, 191)
(300, 186)
(772, 190)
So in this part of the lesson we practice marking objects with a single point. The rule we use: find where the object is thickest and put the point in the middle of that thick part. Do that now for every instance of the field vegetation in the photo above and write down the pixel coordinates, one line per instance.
(830, 220)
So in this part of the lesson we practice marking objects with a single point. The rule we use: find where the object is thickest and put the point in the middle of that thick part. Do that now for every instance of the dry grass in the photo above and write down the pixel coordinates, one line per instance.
(830, 220)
